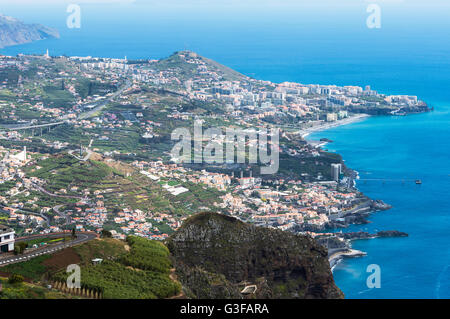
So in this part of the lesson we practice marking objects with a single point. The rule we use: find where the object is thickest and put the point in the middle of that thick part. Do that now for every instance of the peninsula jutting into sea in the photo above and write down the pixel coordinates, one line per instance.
(87, 177)
(15, 32)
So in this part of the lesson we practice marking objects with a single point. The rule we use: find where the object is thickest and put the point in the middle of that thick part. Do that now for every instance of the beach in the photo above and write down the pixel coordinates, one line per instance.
(327, 125)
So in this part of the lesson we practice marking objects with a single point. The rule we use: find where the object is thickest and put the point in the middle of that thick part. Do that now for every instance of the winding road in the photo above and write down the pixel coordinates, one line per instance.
(62, 214)
(80, 239)
(100, 105)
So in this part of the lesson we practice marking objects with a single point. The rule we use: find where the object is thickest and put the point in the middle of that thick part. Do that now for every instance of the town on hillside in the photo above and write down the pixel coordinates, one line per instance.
(85, 144)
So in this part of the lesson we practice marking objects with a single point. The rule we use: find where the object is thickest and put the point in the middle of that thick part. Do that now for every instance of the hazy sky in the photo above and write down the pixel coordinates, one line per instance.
(242, 5)
(407, 16)
(237, 3)
(249, 6)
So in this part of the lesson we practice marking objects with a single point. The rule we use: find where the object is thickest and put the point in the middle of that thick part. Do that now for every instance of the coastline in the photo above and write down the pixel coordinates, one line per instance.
(335, 258)
(375, 205)
(327, 125)
(359, 215)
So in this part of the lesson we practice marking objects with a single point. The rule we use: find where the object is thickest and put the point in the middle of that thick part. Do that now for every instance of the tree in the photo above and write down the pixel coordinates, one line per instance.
(255, 194)
(106, 234)
(19, 248)
(15, 279)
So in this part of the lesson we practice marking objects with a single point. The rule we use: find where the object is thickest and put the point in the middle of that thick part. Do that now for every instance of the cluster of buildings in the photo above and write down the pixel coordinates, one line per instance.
(299, 207)
(263, 98)
(125, 222)
(287, 204)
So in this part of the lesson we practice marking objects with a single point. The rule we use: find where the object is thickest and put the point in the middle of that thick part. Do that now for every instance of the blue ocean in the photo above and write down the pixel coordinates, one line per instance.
(318, 42)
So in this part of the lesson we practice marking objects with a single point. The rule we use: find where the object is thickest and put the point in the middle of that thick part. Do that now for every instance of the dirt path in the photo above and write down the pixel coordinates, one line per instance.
(174, 277)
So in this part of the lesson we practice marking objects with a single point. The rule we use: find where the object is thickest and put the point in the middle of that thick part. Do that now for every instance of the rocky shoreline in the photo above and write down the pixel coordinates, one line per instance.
(336, 257)
(340, 246)
(343, 249)
(366, 235)
(360, 215)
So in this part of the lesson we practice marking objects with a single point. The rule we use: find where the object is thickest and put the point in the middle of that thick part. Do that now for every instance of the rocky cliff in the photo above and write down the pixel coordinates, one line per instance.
(13, 32)
(217, 256)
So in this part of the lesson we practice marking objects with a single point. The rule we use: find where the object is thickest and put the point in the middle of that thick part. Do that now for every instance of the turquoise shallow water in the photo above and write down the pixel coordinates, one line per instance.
(309, 42)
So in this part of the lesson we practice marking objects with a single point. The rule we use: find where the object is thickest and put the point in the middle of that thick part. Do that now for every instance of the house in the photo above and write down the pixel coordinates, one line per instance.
(6, 239)
(97, 261)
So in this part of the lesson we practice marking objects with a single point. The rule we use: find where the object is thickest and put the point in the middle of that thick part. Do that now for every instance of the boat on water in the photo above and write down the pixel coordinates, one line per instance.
(418, 181)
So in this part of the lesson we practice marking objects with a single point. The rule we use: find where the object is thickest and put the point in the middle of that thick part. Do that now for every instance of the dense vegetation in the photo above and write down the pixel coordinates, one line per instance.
(139, 268)
(115, 280)
(86, 87)
(32, 269)
(19, 290)
(147, 255)
(104, 248)
(141, 273)
(56, 96)
(229, 253)
(61, 172)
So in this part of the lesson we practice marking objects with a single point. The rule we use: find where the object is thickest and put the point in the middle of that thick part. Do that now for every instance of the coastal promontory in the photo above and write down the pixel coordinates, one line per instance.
(218, 256)
(14, 32)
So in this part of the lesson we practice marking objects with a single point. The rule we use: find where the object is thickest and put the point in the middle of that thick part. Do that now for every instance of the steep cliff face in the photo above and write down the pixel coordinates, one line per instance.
(13, 32)
(217, 256)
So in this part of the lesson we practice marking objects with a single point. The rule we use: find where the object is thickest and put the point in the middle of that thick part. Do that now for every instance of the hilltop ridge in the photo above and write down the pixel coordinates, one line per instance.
(217, 256)
(182, 60)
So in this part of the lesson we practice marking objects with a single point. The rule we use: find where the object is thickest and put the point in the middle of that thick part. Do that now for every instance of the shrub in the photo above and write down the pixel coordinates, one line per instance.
(15, 279)
(143, 273)
(19, 248)
(147, 255)
(106, 234)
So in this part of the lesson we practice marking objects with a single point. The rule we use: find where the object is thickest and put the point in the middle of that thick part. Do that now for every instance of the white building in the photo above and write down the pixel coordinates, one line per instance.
(331, 117)
(22, 156)
(336, 170)
(6, 239)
